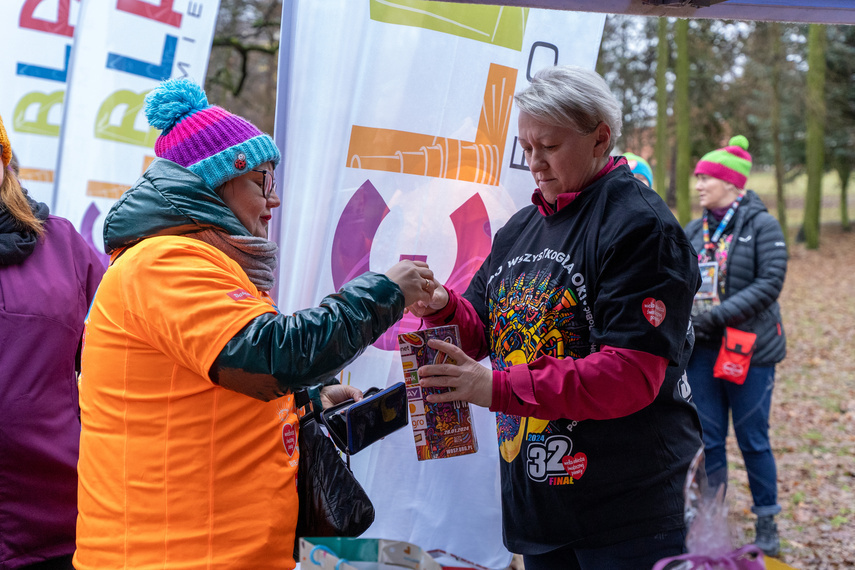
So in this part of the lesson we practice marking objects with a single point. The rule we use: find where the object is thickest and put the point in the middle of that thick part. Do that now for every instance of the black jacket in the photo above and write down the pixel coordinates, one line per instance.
(756, 267)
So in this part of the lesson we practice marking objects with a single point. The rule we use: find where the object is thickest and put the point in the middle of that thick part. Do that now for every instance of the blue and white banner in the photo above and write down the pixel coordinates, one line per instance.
(398, 128)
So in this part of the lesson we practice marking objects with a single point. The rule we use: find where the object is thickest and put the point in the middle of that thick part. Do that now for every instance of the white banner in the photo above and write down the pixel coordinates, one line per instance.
(398, 129)
(123, 49)
(37, 38)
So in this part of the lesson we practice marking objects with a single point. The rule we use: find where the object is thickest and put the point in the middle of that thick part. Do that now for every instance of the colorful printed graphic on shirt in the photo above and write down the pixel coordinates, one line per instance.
(549, 458)
(535, 317)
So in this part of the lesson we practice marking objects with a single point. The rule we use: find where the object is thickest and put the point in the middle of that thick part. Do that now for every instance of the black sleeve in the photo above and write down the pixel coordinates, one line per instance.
(275, 353)
(646, 285)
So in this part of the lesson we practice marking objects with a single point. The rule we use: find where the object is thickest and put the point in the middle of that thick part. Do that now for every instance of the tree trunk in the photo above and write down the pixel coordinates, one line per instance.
(844, 170)
(671, 194)
(777, 58)
(681, 98)
(661, 109)
(815, 122)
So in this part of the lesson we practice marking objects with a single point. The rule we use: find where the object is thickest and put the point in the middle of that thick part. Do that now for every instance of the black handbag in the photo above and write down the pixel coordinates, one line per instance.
(332, 502)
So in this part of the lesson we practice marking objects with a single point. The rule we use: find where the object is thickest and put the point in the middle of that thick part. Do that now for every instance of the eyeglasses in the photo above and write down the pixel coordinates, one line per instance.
(268, 185)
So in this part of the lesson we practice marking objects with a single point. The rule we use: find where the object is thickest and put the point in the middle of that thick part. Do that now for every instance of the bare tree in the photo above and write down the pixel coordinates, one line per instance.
(815, 120)
(777, 53)
(662, 56)
(242, 68)
(684, 208)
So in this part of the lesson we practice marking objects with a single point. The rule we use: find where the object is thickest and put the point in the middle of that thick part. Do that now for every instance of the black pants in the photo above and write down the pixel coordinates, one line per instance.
(635, 554)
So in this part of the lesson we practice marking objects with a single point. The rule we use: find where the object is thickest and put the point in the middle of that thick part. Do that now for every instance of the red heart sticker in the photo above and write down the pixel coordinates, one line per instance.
(289, 439)
(575, 465)
(654, 311)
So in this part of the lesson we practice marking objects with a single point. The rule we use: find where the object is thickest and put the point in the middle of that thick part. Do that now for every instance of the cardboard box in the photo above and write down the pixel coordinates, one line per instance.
(439, 430)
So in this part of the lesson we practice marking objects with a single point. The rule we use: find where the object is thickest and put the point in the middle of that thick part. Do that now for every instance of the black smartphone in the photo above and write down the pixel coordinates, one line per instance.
(354, 426)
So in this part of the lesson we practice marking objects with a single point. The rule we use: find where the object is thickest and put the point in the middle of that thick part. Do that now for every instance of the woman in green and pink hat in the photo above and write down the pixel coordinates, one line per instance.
(743, 260)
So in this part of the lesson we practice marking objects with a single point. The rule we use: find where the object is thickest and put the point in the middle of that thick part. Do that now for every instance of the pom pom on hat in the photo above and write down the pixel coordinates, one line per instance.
(6, 155)
(640, 166)
(205, 139)
(731, 163)
(174, 100)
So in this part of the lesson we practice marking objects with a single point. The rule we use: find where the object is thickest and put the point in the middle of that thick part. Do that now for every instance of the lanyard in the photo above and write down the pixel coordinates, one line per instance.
(710, 244)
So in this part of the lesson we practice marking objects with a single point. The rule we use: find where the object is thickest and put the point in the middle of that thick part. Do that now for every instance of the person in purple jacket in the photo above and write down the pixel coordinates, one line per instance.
(48, 276)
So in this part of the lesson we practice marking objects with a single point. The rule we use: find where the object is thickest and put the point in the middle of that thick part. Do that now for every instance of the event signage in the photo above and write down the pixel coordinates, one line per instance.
(123, 49)
(397, 123)
(34, 70)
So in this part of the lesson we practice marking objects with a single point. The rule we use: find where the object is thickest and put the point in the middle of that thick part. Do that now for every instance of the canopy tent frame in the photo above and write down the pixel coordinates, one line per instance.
(803, 11)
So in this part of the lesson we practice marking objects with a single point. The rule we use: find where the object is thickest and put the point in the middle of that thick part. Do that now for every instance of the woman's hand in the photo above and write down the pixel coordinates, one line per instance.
(337, 393)
(472, 382)
(415, 279)
(438, 301)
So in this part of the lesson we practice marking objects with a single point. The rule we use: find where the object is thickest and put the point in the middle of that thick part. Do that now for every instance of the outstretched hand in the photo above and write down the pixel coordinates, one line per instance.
(415, 279)
(438, 300)
(471, 381)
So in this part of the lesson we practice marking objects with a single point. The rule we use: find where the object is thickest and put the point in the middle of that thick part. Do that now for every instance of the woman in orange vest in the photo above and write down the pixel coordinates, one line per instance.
(188, 451)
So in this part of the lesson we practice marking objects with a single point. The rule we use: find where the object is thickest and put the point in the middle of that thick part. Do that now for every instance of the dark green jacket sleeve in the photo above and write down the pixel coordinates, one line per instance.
(275, 353)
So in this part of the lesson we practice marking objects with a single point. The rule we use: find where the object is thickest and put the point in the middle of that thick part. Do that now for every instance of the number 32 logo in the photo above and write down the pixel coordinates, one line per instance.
(546, 459)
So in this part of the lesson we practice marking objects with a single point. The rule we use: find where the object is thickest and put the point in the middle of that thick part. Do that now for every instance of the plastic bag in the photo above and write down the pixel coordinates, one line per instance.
(708, 539)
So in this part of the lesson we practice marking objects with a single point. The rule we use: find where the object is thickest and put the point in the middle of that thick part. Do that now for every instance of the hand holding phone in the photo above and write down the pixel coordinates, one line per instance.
(354, 426)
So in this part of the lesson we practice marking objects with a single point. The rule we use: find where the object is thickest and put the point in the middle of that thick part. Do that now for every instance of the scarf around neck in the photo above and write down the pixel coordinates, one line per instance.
(17, 244)
(255, 255)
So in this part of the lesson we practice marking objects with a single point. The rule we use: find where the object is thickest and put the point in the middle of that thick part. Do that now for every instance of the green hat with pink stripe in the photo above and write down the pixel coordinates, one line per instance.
(731, 163)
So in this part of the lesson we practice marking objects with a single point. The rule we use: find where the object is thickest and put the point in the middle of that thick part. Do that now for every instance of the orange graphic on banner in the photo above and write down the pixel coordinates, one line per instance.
(37, 174)
(427, 155)
(109, 189)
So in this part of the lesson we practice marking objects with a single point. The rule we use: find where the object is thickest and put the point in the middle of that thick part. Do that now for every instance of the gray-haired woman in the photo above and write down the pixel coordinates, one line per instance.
(583, 308)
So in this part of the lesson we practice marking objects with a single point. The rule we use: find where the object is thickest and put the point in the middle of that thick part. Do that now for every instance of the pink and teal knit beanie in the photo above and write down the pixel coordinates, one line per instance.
(731, 163)
(639, 166)
(203, 138)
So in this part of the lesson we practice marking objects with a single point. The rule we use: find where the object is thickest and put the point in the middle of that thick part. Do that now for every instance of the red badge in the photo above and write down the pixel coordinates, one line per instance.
(240, 161)
(239, 294)
(289, 439)
(575, 465)
(654, 311)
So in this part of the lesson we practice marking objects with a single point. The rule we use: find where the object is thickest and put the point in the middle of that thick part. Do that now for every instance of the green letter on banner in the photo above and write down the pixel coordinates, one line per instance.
(40, 126)
(124, 131)
(497, 25)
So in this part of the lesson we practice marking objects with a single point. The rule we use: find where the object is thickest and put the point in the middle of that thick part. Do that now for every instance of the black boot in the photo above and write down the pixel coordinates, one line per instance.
(767, 536)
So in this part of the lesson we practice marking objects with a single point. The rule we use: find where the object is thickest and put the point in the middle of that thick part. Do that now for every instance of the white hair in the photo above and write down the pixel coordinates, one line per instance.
(572, 97)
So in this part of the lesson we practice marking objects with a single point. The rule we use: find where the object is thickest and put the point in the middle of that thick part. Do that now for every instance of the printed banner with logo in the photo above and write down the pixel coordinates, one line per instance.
(123, 49)
(398, 128)
(37, 40)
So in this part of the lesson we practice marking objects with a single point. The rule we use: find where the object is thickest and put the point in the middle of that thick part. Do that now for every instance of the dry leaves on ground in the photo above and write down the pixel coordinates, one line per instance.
(813, 413)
